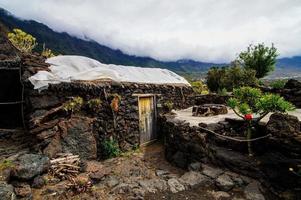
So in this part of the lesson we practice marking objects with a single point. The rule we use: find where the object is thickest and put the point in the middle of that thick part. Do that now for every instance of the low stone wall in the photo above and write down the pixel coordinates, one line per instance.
(274, 156)
(123, 125)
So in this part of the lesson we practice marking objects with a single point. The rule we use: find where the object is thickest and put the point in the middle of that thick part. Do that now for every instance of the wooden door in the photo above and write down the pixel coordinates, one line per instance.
(147, 119)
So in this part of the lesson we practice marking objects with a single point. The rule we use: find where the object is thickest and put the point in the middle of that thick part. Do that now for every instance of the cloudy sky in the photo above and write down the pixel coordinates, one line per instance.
(204, 30)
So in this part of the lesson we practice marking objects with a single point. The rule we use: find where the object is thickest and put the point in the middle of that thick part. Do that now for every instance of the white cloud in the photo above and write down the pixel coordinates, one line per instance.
(205, 30)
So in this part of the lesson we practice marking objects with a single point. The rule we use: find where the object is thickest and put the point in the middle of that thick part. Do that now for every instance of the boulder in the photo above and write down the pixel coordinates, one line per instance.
(23, 190)
(175, 186)
(5, 174)
(292, 84)
(283, 125)
(211, 172)
(252, 191)
(7, 191)
(224, 183)
(28, 166)
(153, 185)
(193, 178)
(38, 182)
(77, 137)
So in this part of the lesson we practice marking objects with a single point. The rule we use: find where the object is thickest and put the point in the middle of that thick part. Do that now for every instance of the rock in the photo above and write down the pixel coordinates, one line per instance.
(153, 185)
(161, 172)
(23, 190)
(224, 182)
(252, 191)
(236, 178)
(30, 165)
(179, 159)
(283, 125)
(78, 138)
(211, 171)
(219, 195)
(7, 191)
(292, 84)
(38, 182)
(209, 110)
(175, 186)
(193, 178)
(97, 176)
(196, 166)
(5, 174)
(112, 181)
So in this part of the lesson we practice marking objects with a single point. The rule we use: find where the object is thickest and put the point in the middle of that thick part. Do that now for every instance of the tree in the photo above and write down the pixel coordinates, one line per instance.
(215, 78)
(22, 41)
(260, 58)
(248, 101)
(230, 77)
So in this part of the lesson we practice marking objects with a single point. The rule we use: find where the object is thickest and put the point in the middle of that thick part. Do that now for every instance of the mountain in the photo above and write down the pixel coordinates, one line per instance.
(63, 43)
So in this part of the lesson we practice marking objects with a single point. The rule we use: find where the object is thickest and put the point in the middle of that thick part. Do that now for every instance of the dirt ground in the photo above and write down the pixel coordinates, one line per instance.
(125, 176)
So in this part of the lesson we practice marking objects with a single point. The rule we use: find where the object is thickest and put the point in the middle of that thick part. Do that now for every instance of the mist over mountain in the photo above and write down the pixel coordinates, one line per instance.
(63, 43)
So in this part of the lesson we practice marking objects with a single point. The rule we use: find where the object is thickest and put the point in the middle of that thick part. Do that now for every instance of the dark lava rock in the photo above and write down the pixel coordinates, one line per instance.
(292, 84)
(7, 191)
(78, 137)
(179, 159)
(30, 165)
(283, 125)
(5, 174)
(23, 190)
(38, 182)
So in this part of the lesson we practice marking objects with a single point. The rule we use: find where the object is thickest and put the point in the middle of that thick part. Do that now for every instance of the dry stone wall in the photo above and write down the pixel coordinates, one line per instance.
(123, 125)
(274, 156)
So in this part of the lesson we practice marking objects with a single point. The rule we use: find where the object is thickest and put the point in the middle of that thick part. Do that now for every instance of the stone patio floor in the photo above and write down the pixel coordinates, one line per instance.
(186, 115)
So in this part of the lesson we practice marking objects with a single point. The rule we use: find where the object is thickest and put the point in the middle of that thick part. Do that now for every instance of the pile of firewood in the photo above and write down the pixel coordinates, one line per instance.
(65, 166)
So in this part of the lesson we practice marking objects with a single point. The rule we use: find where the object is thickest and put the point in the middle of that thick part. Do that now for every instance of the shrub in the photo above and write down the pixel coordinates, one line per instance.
(22, 41)
(47, 53)
(6, 164)
(110, 148)
(247, 101)
(260, 58)
(73, 105)
(94, 104)
(168, 106)
(199, 87)
(278, 84)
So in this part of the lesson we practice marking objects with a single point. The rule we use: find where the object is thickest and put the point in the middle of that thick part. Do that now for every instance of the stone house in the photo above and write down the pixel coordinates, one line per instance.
(125, 111)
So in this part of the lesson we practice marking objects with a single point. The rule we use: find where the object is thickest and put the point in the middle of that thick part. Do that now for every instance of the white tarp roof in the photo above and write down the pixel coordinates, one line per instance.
(71, 68)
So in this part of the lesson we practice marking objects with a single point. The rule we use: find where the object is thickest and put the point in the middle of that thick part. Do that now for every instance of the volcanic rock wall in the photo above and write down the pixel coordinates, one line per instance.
(291, 92)
(274, 156)
(53, 132)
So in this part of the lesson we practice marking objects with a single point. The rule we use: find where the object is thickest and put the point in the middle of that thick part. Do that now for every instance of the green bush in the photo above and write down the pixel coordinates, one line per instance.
(110, 148)
(73, 105)
(94, 104)
(168, 106)
(199, 87)
(22, 41)
(278, 84)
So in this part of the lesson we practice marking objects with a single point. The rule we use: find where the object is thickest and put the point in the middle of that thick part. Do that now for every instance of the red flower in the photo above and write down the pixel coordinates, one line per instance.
(248, 117)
